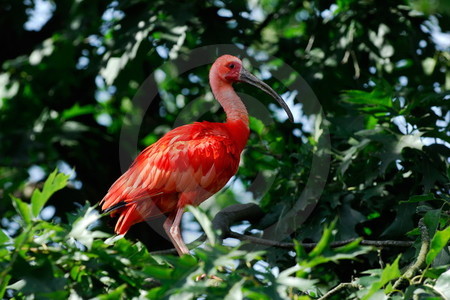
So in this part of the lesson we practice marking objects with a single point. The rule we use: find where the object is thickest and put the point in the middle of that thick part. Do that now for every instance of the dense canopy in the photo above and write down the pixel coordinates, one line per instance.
(351, 201)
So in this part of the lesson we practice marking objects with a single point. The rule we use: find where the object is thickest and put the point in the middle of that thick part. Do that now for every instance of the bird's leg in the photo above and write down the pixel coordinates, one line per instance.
(172, 228)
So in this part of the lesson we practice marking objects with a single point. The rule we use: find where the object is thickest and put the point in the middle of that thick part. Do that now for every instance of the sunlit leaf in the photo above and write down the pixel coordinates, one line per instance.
(390, 272)
(439, 241)
(378, 97)
(22, 208)
(80, 229)
(235, 292)
(78, 110)
(285, 279)
(4, 238)
(442, 284)
(4, 283)
(324, 240)
(114, 294)
(54, 182)
(256, 125)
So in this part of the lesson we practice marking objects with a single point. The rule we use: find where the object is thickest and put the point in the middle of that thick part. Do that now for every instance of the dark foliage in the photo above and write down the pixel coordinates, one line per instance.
(73, 94)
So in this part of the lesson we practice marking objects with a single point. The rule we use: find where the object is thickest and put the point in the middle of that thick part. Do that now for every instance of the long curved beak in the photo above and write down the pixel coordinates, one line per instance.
(246, 76)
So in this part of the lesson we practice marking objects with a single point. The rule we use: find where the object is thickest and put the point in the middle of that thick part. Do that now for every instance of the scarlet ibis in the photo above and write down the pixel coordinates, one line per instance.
(189, 163)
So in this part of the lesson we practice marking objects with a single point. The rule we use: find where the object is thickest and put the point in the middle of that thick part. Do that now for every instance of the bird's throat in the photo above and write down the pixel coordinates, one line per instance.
(233, 106)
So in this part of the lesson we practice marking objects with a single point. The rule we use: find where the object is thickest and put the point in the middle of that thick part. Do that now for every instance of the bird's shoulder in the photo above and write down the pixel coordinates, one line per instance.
(194, 146)
(192, 138)
(191, 156)
(197, 131)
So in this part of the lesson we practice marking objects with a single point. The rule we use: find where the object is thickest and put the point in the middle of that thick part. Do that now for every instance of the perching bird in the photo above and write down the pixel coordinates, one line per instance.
(189, 163)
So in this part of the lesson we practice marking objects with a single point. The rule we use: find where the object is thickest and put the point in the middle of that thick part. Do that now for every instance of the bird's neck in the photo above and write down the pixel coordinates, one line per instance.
(232, 105)
(237, 115)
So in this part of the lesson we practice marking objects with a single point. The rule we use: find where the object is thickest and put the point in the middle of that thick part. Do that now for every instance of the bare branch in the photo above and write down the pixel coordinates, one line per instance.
(261, 241)
(235, 213)
(252, 212)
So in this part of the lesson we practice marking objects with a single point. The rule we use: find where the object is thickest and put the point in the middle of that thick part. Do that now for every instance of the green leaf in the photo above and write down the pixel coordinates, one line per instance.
(23, 209)
(299, 283)
(256, 125)
(324, 240)
(350, 246)
(431, 220)
(285, 279)
(301, 253)
(3, 285)
(394, 146)
(235, 292)
(389, 273)
(39, 279)
(402, 222)
(380, 97)
(420, 198)
(80, 227)
(118, 293)
(439, 241)
(3, 237)
(54, 182)
(442, 284)
(78, 110)
(161, 273)
(204, 222)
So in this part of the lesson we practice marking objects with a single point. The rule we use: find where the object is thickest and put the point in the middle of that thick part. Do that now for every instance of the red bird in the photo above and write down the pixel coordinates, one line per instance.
(190, 163)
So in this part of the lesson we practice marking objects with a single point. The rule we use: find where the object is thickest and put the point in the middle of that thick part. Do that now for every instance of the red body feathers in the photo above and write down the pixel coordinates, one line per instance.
(186, 166)
(190, 163)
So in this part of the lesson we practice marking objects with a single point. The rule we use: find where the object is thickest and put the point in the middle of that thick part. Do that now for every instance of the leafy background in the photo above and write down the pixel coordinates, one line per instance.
(381, 72)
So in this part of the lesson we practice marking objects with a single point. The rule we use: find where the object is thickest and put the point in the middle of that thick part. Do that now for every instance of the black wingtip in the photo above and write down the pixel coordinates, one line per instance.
(115, 207)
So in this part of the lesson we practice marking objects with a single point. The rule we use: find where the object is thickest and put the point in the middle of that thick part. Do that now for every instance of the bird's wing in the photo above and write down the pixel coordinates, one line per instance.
(180, 162)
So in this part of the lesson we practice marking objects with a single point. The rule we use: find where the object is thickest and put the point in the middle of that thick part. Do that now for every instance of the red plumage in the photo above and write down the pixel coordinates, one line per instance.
(188, 164)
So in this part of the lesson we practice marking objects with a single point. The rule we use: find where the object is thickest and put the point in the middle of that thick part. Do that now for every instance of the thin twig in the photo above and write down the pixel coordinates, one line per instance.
(310, 43)
(355, 65)
(260, 241)
(339, 287)
(265, 242)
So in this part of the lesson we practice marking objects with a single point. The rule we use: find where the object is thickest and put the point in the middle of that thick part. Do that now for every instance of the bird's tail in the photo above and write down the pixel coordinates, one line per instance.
(139, 209)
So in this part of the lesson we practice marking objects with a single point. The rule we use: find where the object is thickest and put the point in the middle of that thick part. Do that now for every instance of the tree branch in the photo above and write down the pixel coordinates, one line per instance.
(265, 242)
(235, 213)
(412, 269)
(252, 212)
(339, 287)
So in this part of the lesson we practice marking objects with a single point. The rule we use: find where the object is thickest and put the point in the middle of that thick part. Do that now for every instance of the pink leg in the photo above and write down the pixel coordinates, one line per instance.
(172, 228)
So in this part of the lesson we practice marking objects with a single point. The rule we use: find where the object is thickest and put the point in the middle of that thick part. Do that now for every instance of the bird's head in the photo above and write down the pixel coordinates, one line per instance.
(229, 69)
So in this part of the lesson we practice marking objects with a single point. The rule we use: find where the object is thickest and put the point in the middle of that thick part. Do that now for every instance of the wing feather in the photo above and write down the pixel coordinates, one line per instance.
(177, 163)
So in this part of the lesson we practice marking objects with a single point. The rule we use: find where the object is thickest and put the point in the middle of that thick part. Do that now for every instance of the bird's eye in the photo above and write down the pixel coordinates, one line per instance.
(231, 66)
